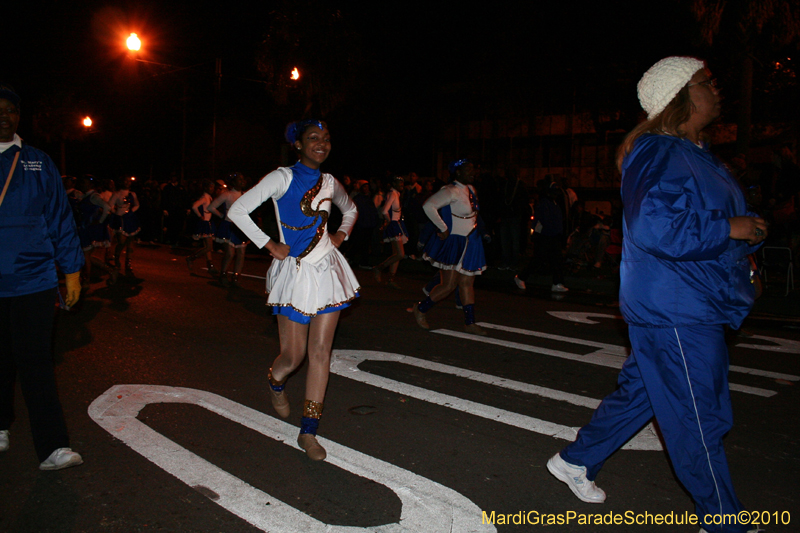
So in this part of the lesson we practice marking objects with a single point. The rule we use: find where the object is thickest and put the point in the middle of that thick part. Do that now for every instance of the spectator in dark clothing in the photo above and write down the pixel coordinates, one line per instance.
(548, 237)
(366, 223)
(150, 212)
(513, 212)
(175, 201)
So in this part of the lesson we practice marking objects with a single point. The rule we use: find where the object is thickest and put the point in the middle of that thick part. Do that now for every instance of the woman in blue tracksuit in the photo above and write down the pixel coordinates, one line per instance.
(684, 276)
(37, 230)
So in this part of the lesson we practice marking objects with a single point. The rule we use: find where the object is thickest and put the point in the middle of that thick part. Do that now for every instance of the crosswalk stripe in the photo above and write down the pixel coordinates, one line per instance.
(600, 357)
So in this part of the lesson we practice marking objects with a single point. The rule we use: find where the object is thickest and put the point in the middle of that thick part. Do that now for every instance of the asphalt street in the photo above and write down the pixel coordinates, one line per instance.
(163, 382)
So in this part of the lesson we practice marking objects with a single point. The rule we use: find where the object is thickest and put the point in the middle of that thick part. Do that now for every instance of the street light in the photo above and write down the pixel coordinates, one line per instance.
(87, 122)
(133, 43)
(295, 74)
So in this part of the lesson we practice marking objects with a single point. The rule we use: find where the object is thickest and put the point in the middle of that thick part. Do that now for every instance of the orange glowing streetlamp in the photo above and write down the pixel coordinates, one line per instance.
(87, 122)
(133, 43)
(295, 74)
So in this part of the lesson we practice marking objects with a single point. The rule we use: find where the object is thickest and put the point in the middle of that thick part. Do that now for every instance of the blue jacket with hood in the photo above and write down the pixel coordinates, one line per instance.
(37, 229)
(679, 265)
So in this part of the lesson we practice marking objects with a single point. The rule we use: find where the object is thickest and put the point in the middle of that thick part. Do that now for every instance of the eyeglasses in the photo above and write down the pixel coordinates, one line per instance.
(710, 83)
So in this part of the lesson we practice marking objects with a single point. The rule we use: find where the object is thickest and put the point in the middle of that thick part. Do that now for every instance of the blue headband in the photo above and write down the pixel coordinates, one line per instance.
(455, 165)
(296, 129)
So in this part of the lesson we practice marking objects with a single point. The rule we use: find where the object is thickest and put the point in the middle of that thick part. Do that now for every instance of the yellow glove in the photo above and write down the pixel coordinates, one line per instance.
(73, 288)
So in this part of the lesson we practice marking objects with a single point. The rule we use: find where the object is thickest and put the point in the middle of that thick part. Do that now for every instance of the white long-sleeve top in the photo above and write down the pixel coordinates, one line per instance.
(392, 208)
(123, 201)
(456, 195)
(228, 198)
(203, 201)
(275, 185)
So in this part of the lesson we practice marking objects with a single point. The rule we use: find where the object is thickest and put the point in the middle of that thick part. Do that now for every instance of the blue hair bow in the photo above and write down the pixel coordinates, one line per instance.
(452, 167)
(295, 129)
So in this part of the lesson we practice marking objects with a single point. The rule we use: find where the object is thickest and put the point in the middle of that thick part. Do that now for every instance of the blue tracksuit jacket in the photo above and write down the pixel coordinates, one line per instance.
(679, 266)
(37, 229)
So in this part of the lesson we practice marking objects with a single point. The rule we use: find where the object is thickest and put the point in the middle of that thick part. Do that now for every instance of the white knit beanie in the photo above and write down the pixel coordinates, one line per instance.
(664, 80)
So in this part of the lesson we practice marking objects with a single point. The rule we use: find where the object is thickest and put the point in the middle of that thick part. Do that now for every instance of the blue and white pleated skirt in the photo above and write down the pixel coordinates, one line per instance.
(94, 236)
(202, 230)
(127, 224)
(395, 231)
(457, 252)
(229, 233)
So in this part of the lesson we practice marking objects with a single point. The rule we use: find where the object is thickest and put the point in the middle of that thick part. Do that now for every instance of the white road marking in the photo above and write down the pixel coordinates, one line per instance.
(602, 357)
(581, 318)
(426, 505)
(613, 349)
(345, 363)
(244, 275)
(783, 345)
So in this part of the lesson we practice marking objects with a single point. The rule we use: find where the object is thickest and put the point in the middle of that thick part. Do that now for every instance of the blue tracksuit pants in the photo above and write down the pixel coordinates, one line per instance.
(680, 376)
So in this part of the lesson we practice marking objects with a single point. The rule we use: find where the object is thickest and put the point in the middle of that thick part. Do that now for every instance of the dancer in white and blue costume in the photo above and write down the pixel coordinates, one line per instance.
(93, 229)
(458, 250)
(203, 230)
(309, 281)
(124, 223)
(228, 233)
(394, 231)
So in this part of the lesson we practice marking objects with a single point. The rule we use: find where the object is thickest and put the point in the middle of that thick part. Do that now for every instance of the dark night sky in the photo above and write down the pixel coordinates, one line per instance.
(425, 63)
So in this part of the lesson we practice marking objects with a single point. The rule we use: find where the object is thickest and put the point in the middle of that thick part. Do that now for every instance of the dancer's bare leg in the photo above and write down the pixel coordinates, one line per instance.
(238, 263)
(466, 289)
(294, 339)
(320, 341)
(448, 285)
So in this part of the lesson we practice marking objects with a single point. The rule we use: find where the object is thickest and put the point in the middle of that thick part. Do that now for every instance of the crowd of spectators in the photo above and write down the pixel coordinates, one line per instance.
(588, 240)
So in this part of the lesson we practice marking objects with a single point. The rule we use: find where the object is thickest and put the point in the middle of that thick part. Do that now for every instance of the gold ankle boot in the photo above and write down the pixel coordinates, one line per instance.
(313, 449)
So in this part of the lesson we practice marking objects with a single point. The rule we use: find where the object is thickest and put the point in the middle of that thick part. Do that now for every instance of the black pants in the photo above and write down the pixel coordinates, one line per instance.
(26, 335)
(547, 250)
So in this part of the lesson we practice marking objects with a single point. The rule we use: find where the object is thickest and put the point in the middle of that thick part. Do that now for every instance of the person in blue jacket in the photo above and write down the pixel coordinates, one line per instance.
(684, 276)
(37, 230)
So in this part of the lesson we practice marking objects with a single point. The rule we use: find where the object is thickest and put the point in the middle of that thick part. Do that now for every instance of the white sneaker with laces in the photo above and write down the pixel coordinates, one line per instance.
(3, 440)
(575, 478)
(520, 284)
(558, 287)
(61, 458)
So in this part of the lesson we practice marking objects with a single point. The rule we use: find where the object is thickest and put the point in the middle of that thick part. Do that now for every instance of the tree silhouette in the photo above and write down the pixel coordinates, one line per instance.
(57, 120)
(322, 44)
(752, 30)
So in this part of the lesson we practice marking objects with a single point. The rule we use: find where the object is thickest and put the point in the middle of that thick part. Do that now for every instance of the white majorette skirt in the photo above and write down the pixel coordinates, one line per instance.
(311, 287)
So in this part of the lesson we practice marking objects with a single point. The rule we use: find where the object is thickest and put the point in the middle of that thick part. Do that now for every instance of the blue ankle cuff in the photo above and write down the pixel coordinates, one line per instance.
(469, 314)
(425, 305)
(309, 425)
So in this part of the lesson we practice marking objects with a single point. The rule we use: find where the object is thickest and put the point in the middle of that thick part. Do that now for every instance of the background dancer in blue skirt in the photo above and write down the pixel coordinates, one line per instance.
(684, 275)
(458, 250)
(227, 233)
(203, 230)
(124, 223)
(92, 213)
(309, 281)
(394, 231)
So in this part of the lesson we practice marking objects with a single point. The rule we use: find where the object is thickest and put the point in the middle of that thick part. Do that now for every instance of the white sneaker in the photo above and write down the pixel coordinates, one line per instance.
(575, 478)
(3, 440)
(520, 284)
(559, 287)
(61, 458)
